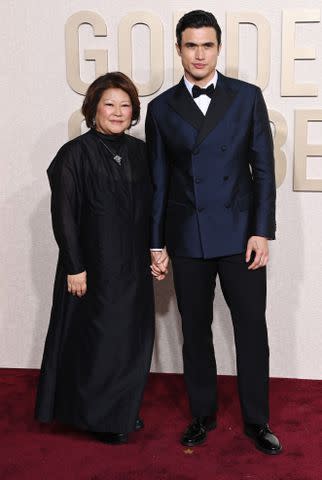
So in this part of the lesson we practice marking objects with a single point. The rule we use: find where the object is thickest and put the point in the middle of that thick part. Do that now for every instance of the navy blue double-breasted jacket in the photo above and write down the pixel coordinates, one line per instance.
(213, 175)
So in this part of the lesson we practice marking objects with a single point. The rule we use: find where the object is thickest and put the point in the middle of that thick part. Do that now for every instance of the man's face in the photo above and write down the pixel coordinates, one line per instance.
(199, 54)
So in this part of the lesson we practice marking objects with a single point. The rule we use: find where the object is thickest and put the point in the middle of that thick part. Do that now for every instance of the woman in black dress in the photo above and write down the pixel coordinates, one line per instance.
(99, 343)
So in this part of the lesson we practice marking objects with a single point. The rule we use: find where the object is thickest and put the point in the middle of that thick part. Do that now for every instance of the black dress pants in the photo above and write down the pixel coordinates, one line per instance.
(245, 294)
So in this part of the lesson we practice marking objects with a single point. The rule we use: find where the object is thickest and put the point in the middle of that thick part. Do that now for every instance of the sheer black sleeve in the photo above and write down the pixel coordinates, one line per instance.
(65, 180)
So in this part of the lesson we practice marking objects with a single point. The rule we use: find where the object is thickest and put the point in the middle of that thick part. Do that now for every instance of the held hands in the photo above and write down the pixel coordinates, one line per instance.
(77, 284)
(159, 264)
(259, 245)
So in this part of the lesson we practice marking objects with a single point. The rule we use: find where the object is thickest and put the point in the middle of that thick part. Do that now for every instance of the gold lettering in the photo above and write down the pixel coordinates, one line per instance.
(280, 136)
(290, 53)
(263, 47)
(156, 49)
(177, 66)
(75, 124)
(302, 150)
(72, 48)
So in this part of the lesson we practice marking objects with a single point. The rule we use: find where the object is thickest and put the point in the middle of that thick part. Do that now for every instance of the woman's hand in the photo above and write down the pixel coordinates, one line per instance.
(159, 263)
(77, 284)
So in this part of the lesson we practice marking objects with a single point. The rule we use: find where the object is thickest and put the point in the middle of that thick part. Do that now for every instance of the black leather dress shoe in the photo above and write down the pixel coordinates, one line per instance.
(112, 438)
(196, 433)
(139, 424)
(264, 438)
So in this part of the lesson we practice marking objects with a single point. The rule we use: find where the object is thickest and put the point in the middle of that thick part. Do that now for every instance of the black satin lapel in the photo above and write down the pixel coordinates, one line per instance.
(183, 103)
(217, 108)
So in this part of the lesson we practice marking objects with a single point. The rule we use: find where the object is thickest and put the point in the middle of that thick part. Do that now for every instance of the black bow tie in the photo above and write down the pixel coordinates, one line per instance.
(210, 91)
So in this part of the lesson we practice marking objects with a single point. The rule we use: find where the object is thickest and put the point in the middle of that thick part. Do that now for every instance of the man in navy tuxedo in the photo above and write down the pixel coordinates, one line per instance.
(211, 153)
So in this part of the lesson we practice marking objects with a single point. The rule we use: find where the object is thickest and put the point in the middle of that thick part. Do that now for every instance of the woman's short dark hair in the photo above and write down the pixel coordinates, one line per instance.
(102, 83)
(197, 19)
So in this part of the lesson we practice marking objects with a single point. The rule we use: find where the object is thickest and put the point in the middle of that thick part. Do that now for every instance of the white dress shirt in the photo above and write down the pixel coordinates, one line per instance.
(202, 101)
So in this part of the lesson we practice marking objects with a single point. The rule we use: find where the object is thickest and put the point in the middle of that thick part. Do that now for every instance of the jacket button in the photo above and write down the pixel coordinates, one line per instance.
(223, 148)
(197, 180)
(196, 151)
(226, 178)
(200, 209)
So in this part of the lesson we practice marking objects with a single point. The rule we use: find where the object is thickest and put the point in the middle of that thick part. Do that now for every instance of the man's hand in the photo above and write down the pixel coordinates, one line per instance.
(259, 245)
(77, 284)
(159, 264)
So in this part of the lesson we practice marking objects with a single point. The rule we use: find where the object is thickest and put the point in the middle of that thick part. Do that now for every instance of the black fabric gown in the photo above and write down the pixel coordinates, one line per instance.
(98, 348)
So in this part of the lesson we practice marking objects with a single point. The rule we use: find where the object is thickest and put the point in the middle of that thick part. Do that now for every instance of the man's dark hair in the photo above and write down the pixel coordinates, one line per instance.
(197, 19)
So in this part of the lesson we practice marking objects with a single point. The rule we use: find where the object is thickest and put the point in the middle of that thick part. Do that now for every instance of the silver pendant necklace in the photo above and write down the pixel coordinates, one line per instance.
(117, 158)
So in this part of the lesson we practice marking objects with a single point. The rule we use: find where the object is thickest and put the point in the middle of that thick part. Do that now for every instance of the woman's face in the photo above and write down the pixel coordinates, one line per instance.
(114, 111)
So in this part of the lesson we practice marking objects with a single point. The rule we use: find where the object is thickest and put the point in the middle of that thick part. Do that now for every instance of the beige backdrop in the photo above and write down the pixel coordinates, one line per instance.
(37, 103)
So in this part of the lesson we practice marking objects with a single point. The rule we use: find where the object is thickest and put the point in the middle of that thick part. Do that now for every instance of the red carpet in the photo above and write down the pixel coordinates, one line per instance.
(29, 451)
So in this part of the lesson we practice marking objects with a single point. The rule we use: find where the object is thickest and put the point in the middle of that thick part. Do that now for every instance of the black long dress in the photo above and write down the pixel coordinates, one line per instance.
(98, 348)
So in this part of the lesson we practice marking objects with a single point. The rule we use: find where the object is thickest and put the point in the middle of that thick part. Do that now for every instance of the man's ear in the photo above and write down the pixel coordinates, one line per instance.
(178, 50)
(219, 48)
